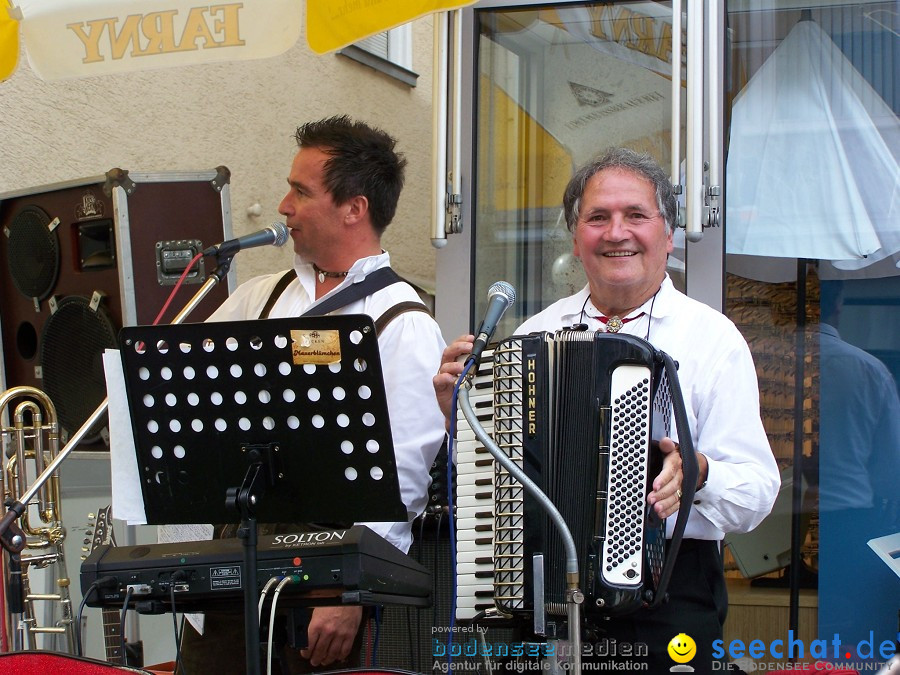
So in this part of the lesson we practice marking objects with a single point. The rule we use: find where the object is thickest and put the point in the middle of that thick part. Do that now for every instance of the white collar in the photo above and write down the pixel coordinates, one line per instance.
(357, 272)
(661, 303)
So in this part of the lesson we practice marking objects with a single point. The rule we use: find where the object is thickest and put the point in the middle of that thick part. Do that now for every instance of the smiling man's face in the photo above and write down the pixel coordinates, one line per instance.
(621, 239)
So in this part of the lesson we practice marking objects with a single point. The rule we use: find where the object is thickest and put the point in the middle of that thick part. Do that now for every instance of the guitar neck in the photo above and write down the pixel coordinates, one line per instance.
(112, 636)
(112, 627)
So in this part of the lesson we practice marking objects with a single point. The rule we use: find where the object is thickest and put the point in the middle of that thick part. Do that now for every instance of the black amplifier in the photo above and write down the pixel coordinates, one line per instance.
(351, 566)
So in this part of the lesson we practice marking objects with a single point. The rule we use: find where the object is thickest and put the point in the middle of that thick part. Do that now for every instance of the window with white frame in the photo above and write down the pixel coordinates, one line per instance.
(389, 52)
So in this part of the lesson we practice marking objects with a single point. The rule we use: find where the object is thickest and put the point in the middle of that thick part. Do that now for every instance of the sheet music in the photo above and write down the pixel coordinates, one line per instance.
(127, 498)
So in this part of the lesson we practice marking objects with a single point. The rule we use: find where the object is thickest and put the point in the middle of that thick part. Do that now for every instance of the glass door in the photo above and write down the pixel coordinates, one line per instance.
(554, 87)
(812, 237)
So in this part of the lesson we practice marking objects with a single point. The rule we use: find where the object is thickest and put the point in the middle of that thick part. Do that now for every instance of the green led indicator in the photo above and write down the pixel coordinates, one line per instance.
(305, 577)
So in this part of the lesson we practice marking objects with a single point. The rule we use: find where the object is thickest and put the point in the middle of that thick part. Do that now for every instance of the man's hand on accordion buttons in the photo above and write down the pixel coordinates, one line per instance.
(452, 363)
(666, 493)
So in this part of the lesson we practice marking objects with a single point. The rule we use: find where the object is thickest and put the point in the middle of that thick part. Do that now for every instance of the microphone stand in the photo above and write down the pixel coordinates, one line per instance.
(11, 535)
(574, 594)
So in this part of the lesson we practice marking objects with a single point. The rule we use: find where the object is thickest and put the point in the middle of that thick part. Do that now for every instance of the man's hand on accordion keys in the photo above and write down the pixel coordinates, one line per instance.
(666, 493)
(452, 364)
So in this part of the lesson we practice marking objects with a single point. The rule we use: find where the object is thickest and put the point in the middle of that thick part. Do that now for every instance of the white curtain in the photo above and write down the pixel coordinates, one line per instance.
(812, 168)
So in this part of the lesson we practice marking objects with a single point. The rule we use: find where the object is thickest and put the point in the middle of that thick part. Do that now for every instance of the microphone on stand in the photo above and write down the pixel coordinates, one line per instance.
(275, 235)
(501, 296)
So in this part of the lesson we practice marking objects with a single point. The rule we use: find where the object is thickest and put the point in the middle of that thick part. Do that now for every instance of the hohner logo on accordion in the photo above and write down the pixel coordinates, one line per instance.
(581, 413)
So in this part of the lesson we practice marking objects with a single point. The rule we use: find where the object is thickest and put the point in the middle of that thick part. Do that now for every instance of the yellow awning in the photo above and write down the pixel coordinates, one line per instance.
(332, 24)
(83, 38)
(528, 168)
(9, 43)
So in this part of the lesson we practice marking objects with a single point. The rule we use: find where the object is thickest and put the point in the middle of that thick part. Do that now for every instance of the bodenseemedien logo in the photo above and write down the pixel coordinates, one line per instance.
(682, 649)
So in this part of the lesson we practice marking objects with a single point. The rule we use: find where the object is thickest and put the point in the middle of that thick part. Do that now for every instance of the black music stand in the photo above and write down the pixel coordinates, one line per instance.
(279, 420)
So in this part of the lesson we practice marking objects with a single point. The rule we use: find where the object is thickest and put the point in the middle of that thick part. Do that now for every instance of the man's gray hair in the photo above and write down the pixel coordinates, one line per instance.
(627, 160)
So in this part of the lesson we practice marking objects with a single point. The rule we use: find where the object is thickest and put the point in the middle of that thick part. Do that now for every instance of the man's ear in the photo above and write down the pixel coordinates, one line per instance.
(357, 209)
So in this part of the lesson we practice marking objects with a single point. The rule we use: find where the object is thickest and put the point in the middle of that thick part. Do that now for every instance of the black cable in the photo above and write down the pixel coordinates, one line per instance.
(434, 579)
(175, 622)
(377, 635)
(128, 595)
(78, 649)
(102, 582)
(419, 553)
(437, 552)
(409, 638)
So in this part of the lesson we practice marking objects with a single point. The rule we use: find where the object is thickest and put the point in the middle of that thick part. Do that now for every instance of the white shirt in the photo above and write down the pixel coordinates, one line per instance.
(721, 397)
(410, 347)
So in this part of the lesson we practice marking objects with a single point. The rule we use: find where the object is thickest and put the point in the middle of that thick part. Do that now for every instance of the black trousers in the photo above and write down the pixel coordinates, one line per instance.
(221, 649)
(697, 605)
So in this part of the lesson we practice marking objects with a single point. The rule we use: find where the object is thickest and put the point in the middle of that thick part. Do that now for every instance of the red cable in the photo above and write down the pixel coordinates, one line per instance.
(176, 287)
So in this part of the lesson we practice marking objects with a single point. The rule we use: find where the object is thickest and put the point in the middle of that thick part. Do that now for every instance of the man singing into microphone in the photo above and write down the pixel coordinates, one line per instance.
(621, 211)
(344, 185)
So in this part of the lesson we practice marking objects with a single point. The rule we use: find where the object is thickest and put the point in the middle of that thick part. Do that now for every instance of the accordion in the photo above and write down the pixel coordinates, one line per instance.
(581, 413)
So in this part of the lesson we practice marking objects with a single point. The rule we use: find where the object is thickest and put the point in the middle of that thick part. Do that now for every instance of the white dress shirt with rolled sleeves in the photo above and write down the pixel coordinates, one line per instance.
(721, 397)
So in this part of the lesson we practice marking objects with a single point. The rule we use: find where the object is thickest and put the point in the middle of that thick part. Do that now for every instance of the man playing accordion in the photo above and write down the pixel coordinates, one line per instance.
(621, 211)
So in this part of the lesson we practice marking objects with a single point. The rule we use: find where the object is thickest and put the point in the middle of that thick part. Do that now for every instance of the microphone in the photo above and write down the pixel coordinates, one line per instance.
(276, 235)
(501, 296)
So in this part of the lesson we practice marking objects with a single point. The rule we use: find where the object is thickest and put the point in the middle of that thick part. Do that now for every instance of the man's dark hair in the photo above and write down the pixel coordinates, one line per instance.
(363, 162)
(628, 160)
(831, 299)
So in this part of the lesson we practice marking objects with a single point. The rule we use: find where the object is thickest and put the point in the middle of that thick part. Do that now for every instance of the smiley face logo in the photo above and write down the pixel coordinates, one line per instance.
(682, 648)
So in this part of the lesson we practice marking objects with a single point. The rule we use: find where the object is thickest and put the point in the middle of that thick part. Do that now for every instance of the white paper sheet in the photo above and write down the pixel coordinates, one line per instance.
(127, 498)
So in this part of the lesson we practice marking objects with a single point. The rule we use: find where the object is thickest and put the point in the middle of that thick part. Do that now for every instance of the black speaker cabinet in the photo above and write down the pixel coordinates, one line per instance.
(81, 259)
(415, 639)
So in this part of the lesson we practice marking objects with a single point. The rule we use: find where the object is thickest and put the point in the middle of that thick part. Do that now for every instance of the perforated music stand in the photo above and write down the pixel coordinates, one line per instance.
(280, 420)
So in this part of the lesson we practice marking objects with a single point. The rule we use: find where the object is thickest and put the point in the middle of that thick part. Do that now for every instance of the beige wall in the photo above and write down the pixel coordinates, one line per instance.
(242, 115)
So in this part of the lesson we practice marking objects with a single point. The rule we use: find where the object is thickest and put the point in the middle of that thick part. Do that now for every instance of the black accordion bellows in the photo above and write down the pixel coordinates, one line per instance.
(581, 413)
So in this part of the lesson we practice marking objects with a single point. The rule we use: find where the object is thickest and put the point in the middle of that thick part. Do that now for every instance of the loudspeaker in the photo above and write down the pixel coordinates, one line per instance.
(406, 633)
(81, 259)
(416, 639)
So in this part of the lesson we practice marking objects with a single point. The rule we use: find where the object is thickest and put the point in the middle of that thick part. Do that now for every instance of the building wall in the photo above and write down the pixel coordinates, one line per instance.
(241, 115)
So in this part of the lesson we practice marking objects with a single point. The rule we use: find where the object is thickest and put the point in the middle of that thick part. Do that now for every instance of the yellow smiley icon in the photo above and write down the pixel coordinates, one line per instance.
(682, 648)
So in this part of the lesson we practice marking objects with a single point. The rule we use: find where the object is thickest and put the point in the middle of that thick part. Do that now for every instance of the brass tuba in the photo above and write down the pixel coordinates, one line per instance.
(28, 446)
